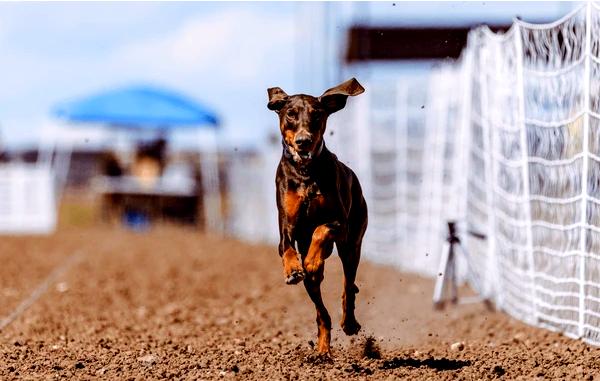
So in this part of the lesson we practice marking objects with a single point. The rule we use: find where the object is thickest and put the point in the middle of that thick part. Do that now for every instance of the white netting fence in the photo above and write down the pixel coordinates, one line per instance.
(533, 182)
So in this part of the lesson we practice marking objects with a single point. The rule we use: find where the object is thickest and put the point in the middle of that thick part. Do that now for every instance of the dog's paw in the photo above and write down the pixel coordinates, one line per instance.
(295, 277)
(350, 327)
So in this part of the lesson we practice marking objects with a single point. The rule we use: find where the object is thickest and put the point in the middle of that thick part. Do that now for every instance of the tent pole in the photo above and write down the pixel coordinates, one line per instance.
(209, 164)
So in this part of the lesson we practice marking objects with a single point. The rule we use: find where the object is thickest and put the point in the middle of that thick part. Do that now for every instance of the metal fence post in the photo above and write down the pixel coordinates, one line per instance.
(489, 171)
(525, 164)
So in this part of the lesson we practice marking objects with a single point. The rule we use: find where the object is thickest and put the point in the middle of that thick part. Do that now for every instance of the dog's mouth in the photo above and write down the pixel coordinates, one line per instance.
(304, 155)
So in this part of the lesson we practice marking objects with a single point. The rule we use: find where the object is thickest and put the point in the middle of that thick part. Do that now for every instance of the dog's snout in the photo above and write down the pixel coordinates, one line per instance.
(303, 141)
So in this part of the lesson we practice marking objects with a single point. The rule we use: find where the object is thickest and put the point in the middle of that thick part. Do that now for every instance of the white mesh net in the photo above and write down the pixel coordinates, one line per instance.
(534, 179)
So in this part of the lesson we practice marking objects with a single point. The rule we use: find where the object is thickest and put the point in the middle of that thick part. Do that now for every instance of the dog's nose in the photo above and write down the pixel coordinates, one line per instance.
(303, 141)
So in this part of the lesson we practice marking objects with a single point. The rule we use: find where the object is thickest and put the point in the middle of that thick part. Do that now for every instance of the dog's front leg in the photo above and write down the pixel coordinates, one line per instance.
(288, 216)
(292, 269)
(321, 247)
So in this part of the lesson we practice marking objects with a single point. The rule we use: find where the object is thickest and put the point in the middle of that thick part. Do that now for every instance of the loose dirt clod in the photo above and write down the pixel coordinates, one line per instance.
(498, 371)
(459, 346)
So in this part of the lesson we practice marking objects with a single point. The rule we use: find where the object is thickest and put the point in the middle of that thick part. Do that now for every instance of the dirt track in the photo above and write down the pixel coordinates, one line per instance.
(173, 303)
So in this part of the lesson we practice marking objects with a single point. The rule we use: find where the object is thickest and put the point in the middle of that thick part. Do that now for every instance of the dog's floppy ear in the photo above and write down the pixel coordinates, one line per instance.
(335, 98)
(277, 98)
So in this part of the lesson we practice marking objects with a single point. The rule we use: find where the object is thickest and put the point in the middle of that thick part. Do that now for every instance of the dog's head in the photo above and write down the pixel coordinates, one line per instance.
(303, 118)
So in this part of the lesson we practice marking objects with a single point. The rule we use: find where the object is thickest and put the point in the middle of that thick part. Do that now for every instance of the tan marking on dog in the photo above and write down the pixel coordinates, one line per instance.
(321, 238)
(289, 136)
(291, 204)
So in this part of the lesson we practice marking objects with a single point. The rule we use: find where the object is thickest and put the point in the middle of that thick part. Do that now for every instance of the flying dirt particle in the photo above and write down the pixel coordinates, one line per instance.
(311, 343)
(427, 254)
(371, 349)
(440, 274)
(393, 4)
(422, 107)
(458, 346)
(330, 133)
(79, 365)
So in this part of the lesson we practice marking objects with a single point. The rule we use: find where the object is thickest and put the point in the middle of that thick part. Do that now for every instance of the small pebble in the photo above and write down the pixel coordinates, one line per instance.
(148, 359)
(519, 337)
(459, 346)
(62, 287)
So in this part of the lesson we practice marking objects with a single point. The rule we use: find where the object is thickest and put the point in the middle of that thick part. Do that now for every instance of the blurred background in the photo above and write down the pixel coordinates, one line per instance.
(153, 112)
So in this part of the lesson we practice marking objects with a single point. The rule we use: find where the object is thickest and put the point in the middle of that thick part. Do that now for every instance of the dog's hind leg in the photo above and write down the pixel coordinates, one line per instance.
(321, 245)
(313, 287)
(350, 256)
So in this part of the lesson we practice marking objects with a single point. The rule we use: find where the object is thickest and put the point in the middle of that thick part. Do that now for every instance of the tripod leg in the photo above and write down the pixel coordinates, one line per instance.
(452, 276)
(438, 292)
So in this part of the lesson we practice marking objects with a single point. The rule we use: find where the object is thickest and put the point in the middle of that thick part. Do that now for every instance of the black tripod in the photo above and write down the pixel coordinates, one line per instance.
(446, 282)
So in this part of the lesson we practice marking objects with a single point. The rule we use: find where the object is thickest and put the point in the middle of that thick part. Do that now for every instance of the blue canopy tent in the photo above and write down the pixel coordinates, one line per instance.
(150, 108)
(143, 107)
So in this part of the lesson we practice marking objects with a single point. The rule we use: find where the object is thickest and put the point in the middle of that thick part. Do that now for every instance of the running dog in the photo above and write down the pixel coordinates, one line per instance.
(319, 200)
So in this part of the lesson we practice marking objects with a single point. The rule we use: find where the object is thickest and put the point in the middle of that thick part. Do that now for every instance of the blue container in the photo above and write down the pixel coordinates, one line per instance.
(136, 220)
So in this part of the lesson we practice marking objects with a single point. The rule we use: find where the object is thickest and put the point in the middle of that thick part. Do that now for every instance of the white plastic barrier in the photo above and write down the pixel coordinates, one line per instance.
(27, 199)
(251, 207)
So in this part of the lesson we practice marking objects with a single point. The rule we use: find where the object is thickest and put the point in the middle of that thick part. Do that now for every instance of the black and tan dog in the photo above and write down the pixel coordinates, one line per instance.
(320, 201)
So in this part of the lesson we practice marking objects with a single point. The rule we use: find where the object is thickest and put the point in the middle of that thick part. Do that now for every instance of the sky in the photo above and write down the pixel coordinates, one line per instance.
(219, 54)
(225, 55)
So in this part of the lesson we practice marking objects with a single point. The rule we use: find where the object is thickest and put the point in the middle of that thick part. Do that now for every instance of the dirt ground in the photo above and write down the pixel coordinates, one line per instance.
(173, 303)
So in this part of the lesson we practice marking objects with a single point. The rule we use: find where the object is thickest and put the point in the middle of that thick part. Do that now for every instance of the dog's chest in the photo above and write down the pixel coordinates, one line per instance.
(313, 200)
